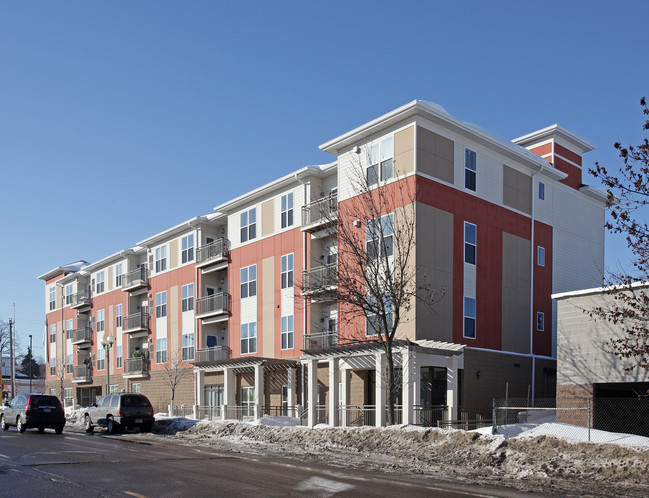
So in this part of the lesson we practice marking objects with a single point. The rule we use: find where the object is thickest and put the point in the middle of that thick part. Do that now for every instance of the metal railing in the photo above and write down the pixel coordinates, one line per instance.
(320, 278)
(321, 414)
(429, 415)
(81, 298)
(137, 277)
(321, 340)
(321, 211)
(216, 250)
(82, 372)
(214, 304)
(280, 411)
(83, 334)
(244, 412)
(358, 415)
(136, 321)
(216, 353)
(136, 365)
(209, 412)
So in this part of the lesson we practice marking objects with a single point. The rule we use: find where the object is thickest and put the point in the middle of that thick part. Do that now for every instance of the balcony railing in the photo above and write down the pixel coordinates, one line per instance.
(216, 353)
(320, 278)
(320, 213)
(82, 373)
(321, 340)
(135, 322)
(215, 304)
(81, 335)
(81, 298)
(135, 366)
(135, 278)
(214, 252)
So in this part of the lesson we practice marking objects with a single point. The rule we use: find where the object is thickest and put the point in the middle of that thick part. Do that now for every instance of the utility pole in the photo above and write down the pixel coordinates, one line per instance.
(31, 360)
(11, 356)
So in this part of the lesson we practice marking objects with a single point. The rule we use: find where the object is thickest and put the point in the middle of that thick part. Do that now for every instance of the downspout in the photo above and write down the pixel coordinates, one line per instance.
(532, 266)
(304, 298)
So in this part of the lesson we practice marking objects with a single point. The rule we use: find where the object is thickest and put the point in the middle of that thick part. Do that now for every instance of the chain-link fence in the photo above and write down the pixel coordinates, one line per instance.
(621, 420)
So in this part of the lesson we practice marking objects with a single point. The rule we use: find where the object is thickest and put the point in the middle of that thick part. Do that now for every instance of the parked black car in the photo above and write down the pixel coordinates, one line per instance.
(120, 411)
(27, 411)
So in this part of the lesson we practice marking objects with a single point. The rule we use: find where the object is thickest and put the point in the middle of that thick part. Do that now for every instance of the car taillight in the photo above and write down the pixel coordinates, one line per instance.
(28, 408)
(120, 412)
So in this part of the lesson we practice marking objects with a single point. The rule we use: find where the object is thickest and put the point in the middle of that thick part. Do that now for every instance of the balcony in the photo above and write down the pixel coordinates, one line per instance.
(80, 299)
(214, 305)
(320, 214)
(214, 354)
(324, 339)
(82, 336)
(135, 368)
(136, 322)
(319, 280)
(135, 279)
(213, 253)
(82, 374)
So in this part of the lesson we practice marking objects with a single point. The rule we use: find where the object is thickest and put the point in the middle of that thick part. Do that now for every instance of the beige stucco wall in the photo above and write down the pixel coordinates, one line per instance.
(404, 151)
(268, 307)
(517, 189)
(516, 294)
(267, 217)
(435, 155)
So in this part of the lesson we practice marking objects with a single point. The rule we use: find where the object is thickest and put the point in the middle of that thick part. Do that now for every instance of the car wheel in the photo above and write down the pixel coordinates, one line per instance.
(111, 426)
(5, 425)
(41, 429)
(58, 429)
(88, 424)
(20, 425)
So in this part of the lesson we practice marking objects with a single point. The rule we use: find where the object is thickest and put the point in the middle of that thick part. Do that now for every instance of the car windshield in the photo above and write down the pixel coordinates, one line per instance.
(136, 401)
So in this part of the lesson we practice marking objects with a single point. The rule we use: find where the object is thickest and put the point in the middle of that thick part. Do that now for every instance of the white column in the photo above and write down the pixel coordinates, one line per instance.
(345, 374)
(407, 387)
(333, 392)
(229, 395)
(199, 390)
(313, 391)
(259, 390)
(380, 389)
(451, 387)
(290, 383)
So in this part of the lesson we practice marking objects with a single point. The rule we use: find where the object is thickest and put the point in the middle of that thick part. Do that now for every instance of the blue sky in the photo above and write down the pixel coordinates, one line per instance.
(121, 119)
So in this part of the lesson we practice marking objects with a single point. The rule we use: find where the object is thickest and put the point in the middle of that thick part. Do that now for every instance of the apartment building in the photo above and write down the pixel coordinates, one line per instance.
(235, 296)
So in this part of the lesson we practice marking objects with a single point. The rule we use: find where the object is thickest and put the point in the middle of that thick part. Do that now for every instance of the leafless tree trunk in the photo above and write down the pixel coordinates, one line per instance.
(175, 372)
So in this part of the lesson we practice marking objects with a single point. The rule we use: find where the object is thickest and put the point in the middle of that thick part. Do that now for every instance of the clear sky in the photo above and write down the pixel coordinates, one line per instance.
(121, 119)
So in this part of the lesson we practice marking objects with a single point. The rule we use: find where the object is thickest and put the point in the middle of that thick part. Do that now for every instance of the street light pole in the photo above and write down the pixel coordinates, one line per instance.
(31, 360)
(107, 343)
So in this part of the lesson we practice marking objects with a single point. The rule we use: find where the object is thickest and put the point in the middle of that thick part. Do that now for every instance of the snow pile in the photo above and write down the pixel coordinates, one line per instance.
(172, 425)
(74, 417)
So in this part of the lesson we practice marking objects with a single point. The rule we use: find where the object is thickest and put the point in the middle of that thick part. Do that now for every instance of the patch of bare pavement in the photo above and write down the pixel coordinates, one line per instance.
(542, 465)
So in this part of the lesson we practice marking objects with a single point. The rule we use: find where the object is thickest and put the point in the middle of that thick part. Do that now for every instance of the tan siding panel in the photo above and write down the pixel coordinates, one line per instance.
(268, 307)
(267, 217)
(173, 254)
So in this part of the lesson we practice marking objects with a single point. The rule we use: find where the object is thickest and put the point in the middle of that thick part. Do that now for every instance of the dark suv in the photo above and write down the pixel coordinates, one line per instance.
(34, 410)
(120, 411)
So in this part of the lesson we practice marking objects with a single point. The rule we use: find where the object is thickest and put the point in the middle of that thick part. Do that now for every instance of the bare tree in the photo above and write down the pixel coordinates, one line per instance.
(4, 337)
(175, 372)
(628, 199)
(377, 283)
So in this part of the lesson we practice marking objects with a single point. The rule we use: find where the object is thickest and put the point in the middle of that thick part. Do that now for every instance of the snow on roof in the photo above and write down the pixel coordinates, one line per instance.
(69, 268)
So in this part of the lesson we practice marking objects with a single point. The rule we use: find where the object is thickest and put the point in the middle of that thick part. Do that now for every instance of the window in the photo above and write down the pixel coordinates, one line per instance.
(160, 259)
(69, 365)
(374, 324)
(69, 290)
(113, 389)
(67, 393)
(101, 321)
(248, 225)
(52, 298)
(136, 387)
(469, 242)
(248, 338)
(161, 350)
(53, 332)
(53, 365)
(540, 321)
(119, 357)
(287, 332)
(469, 170)
(540, 256)
(248, 400)
(187, 243)
(101, 359)
(100, 282)
(118, 316)
(469, 317)
(287, 210)
(287, 271)
(380, 163)
(69, 327)
(188, 297)
(118, 275)
(542, 191)
(249, 281)
(379, 236)
(188, 346)
(161, 304)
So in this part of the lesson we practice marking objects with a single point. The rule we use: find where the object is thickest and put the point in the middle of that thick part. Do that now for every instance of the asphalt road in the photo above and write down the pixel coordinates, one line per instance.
(78, 464)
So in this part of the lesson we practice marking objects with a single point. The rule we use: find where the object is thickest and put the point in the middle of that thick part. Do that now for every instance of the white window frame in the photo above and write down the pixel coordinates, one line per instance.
(188, 346)
(286, 271)
(470, 169)
(101, 359)
(540, 321)
(68, 293)
(119, 356)
(52, 298)
(248, 225)
(161, 350)
(187, 248)
(187, 297)
(540, 255)
(100, 318)
(118, 316)
(380, 161)
(69, 364)
(288, 332)
(248, 400)
(53, 333)
(379, 237)
(286, 216)
(136, 387)
(468, 243)
(249, 338)
(69, 327)
(100, 282)
(469, 314)
(160, 259)
(53, 365)
(118, 275)
(248, 281)
(161, 304)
